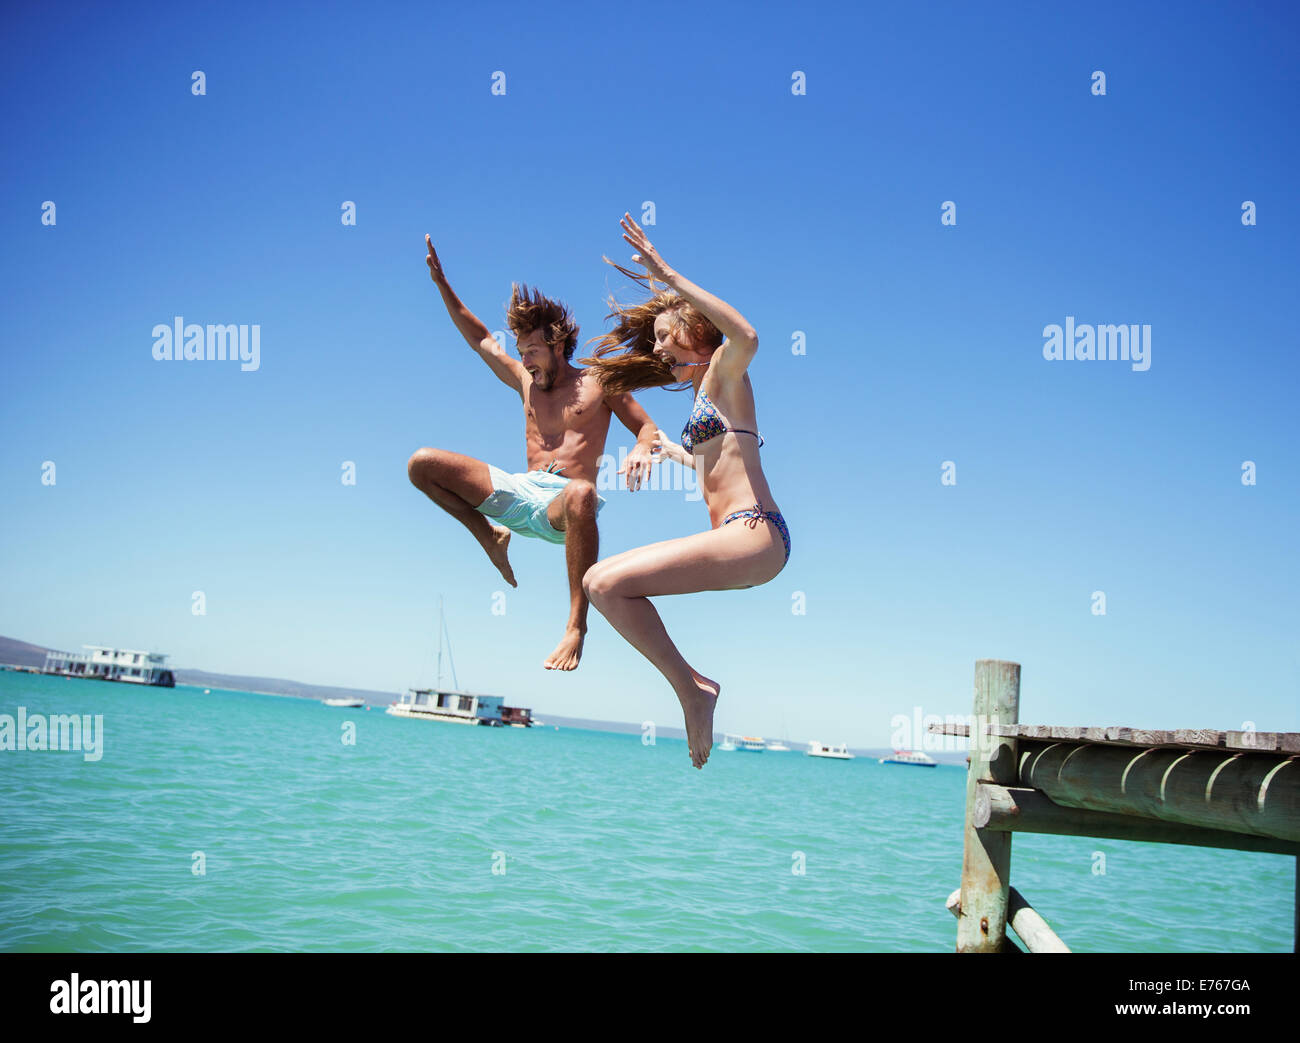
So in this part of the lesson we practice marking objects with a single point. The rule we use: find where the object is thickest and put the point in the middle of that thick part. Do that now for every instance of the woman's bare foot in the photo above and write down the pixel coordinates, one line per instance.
(698, 702)
(567, 652)
(496, 552)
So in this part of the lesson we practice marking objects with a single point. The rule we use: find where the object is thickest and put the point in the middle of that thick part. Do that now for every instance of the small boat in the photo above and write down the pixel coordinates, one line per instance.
(453, 706)
(744, 743)
(838, 753)
(351, 704)
(921, 760)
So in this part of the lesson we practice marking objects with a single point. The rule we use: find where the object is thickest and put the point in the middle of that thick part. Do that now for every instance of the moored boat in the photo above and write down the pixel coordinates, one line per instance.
(105, 663)
(837, 753)
(915, 757)
(456, 707)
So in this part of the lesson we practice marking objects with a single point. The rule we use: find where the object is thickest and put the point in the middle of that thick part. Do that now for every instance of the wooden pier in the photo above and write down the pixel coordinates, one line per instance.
(1237, 790)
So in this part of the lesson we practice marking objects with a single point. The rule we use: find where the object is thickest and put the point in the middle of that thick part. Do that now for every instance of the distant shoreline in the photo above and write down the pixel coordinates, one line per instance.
(318, 693)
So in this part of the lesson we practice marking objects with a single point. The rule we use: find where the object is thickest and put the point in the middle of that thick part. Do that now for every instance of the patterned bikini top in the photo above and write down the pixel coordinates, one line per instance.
(706, 423)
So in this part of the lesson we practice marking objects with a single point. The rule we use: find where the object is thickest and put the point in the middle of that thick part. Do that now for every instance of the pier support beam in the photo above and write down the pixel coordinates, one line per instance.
(1232, 790)
(1020, 809)
(986, 861)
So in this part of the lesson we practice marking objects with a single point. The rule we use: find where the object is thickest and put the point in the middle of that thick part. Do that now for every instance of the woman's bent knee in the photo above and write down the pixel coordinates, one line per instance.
(595, 583)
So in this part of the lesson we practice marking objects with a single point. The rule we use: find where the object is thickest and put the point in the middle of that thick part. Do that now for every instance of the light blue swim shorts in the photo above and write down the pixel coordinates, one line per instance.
(519, 502)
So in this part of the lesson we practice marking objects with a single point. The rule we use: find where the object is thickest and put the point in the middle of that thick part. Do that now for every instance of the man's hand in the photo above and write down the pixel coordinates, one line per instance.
(435, 266)
(637, 465)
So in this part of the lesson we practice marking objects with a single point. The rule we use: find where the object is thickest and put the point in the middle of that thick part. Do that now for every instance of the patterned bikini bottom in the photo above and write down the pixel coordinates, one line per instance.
(756, 514)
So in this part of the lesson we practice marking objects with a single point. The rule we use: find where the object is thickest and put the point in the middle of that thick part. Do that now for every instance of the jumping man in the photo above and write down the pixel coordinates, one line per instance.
(566, 421)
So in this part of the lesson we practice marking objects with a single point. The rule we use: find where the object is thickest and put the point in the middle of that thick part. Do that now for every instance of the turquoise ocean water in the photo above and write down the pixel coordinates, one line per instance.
(309, 844)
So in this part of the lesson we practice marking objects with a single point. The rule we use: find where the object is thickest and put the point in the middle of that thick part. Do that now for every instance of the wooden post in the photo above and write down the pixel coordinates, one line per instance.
(954, 907)
(986, 862)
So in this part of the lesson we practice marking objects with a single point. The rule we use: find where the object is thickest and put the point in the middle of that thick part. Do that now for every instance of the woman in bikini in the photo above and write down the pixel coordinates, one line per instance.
(686, 335)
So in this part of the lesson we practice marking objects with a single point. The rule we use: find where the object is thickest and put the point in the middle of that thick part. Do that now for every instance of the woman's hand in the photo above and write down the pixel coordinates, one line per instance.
(667, 449)
(435, 266)
(646, 255)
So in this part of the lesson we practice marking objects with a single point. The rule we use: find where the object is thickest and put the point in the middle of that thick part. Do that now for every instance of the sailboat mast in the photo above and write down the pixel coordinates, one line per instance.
(440, 625)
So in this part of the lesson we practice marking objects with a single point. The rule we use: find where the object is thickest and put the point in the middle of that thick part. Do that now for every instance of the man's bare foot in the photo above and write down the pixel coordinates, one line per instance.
(698, 702)
(567, 652)
(496, 552)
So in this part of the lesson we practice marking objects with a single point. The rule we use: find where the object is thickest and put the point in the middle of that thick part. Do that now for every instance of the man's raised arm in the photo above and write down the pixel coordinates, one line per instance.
(509, 370)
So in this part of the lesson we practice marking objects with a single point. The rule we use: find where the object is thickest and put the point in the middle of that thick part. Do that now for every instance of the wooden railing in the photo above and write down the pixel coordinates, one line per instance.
(1236, 790)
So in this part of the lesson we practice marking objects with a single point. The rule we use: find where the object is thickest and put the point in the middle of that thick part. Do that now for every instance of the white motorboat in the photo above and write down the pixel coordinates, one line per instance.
(837, 753)
(916, 757)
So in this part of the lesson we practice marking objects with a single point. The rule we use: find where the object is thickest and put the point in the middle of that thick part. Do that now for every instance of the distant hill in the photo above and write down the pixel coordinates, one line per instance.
(20, 653)
(279, 686)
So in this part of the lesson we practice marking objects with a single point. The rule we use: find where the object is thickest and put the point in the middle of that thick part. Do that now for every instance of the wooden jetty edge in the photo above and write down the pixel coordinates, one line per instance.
(1236, 790)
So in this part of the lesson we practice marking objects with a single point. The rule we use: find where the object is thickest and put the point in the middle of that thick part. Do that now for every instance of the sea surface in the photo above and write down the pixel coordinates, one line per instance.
(422, 836)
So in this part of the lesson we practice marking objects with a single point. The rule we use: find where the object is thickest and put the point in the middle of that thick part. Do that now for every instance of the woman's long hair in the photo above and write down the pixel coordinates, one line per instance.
(624, 359)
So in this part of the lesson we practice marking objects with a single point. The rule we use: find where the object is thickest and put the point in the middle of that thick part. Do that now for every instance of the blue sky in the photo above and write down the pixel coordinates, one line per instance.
(817, 213)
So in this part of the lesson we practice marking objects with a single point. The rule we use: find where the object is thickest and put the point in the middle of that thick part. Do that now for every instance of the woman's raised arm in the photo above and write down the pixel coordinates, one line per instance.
(738, 350)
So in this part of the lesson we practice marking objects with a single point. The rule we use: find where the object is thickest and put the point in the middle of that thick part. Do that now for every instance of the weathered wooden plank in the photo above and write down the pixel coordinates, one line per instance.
(1196, 738)
(986, 857)
(1263, 742)
(1023, 810)
(1253, 793)
(1199, 737)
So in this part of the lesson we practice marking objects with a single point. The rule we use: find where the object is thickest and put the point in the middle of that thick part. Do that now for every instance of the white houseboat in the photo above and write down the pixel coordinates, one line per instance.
(432, 704)
(453, 707)
(112, 664)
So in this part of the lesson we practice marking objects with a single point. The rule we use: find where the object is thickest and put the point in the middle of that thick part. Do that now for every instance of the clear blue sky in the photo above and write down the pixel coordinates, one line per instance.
(818, 213)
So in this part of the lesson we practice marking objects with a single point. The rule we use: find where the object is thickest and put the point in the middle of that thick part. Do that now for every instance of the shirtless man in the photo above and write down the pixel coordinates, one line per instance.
(566, 420)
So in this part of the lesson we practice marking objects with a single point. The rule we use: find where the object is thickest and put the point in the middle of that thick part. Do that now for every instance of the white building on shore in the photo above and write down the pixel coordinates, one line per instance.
(112, 664)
